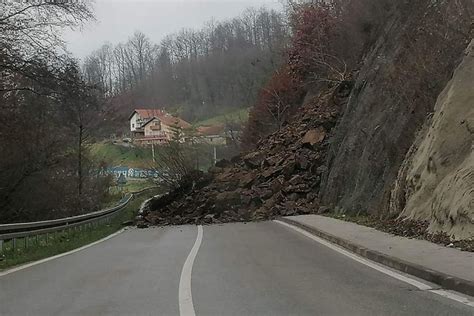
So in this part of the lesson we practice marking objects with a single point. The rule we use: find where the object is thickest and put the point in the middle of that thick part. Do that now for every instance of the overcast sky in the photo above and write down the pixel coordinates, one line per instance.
(118, 19)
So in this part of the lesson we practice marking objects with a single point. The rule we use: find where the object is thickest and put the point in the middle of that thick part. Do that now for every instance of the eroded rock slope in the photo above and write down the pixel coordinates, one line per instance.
(281, 177)
(436, 182)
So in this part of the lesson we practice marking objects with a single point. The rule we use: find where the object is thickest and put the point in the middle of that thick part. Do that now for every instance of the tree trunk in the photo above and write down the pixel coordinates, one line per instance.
(79, 161)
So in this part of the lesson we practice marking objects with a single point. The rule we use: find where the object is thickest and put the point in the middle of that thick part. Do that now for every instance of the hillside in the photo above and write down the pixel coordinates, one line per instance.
(221, 66)
(340, 150)
(116, 155)
(234, 116)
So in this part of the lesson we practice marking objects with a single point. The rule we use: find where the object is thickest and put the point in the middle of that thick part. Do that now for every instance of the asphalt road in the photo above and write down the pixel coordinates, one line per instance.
(237, 269)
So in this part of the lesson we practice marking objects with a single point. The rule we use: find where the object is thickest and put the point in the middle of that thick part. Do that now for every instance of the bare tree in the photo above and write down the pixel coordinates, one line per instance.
(29, 37)
(175, 162)
(36, 162)
(81, 103)
(202, 72)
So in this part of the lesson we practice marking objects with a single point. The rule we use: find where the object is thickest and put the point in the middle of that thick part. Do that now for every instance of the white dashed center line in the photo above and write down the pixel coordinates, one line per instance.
(186, 307)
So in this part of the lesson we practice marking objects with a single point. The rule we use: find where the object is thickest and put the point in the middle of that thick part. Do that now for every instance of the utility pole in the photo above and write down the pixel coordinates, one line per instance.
(153, 151)
(197, 156)
(215, 155)
(196, 153)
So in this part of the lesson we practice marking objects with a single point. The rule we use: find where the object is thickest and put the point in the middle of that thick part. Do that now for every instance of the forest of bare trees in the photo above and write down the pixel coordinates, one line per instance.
(196, 73)
(46, 108)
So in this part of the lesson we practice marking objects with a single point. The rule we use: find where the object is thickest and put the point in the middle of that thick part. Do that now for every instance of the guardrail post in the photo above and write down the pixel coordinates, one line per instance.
(1, 246)
(14, 244)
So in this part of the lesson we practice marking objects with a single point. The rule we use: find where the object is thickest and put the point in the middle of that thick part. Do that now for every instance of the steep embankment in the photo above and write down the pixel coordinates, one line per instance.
(436, 182)
(394, 92)
(281, 177)
(344, 152)
(114, 155)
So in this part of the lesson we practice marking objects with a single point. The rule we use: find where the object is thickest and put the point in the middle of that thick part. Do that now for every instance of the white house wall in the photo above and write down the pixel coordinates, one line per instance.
(134, 122)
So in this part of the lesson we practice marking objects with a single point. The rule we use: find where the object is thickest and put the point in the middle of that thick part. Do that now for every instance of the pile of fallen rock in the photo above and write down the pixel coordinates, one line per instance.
(280, 178)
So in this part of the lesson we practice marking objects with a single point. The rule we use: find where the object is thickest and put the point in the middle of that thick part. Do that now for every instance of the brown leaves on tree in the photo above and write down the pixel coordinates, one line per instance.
(276, 102)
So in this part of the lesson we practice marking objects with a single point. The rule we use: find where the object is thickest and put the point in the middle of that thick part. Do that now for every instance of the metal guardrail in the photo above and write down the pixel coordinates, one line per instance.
(31, 229)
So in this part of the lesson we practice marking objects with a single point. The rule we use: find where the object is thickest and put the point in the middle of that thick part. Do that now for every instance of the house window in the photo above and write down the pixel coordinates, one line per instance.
(133, 125)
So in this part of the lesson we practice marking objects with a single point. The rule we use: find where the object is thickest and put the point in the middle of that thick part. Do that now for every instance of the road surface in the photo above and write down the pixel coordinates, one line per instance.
(237, 269)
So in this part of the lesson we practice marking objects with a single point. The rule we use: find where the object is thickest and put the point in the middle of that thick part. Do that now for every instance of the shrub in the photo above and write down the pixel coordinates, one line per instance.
(276, 103)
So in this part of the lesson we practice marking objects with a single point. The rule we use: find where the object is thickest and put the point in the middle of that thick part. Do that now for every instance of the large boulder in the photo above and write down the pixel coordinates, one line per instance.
(313, 137)
(228, 198)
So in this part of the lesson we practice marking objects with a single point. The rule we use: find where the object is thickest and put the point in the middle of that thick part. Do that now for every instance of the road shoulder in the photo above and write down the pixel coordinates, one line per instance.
(449, 268)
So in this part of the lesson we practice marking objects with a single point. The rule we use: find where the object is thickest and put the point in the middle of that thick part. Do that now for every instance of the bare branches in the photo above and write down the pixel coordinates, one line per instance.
(33, 28)
(204, 71)
(174, 163)
(21, 89)
(23, 10)
(29, 41)
(333, 70)
(277, 101)
(36, 138)
(277, 107)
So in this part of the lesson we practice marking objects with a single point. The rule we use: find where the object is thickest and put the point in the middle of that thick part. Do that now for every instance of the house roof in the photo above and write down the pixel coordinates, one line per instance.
(210, 130)
(149, 121)
(170, 120)
(147, 113)
(164, 117)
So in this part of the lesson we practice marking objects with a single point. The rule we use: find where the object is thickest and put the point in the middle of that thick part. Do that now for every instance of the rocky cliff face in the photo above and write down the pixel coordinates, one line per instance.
(436, 182)
(372, 136)
(394, 92)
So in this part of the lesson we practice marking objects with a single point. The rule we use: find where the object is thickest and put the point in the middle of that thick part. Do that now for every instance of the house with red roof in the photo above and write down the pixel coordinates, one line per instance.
(212, 135)
(155, 126)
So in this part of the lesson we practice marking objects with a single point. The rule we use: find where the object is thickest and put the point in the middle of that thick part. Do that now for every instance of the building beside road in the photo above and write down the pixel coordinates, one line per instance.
(212, 135)
(156, 127)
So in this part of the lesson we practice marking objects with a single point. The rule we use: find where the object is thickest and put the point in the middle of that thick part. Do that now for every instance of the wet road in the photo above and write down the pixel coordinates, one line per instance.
(232, 269)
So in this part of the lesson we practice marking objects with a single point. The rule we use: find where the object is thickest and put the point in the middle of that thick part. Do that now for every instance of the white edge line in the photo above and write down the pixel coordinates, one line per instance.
(454, 296)
(420, 285)
(186, 307)
(29, 265)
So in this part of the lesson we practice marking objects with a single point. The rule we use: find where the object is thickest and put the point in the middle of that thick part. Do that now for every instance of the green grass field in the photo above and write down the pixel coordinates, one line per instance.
(115, 155)
(116, 193)
(45, 246)
(240, 115)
